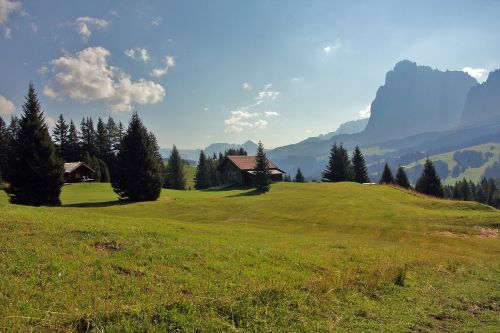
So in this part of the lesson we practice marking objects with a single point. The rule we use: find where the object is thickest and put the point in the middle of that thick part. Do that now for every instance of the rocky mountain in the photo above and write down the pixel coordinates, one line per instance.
(416, 99)
(350, 127)
(483, 100)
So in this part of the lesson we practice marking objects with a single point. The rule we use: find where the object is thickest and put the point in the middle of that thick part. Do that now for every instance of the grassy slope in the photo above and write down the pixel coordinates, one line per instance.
(304, 257)
(189, 172)
(473, 174)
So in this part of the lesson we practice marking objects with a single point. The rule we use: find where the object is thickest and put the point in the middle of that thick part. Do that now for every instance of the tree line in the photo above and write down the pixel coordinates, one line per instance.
(486, 191)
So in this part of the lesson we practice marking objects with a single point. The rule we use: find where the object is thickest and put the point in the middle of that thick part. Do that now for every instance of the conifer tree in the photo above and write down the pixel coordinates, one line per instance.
(4, 148)
(262, 173)
(138, 171)
(73, 153)
(429, 182)
(299, 177)
(88, 136)
(112, 130)
(36, 174)
(175, 178)
(339, 167)
(102, 142)
(329, 174)
(402, 179)
(387, 177)
(60, 134)
(14, 128)
(359, 166)
(202, 176)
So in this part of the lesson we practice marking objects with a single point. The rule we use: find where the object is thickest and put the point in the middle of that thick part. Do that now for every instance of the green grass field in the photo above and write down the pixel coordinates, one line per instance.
(301, 258)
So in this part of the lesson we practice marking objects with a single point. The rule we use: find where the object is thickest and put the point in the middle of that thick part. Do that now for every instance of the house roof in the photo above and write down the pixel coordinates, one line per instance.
(248, 162)
(70, 167)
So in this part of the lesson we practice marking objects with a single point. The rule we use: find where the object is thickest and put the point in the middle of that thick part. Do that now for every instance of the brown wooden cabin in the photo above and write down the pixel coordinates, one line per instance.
(239, 170)
(76, 172)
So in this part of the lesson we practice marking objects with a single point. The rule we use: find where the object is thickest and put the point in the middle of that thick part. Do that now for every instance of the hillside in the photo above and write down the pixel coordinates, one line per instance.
(304, 257)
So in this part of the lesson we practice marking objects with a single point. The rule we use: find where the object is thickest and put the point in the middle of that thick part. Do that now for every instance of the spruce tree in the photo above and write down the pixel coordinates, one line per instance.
(73, 153)
(102, 141)
(36, 174)
(329, 174)
(4, 148)
(401, 178)
(360, 170)
(138, 171)
(429, 182)
(202, 176)
(387, 177)
(175, 178)
(299, 177)
(60, 134)
(262, 176)
(88, 136)
(339, 168)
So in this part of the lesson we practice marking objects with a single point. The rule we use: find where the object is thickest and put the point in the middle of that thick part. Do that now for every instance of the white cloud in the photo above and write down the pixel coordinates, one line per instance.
(330, 49)
(271, 113)
(7, 7)
(169, 62)
(205, 109)
(34, 27)
(156, 21)
(7, 32)
(86, 76)
(138, 53)
(479, 74)
(114, 13)
(247, 86)
(43, 70)
(84, 25)
(297, 79)
(366, 112)
(50, 122)
(241, 118)
(6, 106)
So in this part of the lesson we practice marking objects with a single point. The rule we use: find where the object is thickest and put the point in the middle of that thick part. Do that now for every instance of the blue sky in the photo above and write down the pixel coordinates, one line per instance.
(226, 71)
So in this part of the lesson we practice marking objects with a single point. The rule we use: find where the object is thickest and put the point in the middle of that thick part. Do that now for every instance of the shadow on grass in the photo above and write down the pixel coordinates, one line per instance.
(246, 194)
(97, 204)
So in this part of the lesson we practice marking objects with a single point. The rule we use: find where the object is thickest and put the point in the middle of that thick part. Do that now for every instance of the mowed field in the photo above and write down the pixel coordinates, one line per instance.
(302, 258)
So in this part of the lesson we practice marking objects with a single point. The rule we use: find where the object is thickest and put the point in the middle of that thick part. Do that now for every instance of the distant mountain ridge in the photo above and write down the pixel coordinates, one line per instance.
(483, 100)
(214, 148)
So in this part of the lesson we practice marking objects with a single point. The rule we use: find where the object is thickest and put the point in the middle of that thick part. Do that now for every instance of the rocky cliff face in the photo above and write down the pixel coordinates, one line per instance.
(417, 99)
(483, 100)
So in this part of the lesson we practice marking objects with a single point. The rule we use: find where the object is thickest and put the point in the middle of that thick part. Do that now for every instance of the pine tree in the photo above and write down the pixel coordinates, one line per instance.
(202, 176)
(175, 178)
(4, 148)
(262, 176)
(14, 128)
(36, 174)
(74, 153)
(387, 177)
(138, 171)
(60, 134)
(112, 130)
(102, 141)
(88, 136)
(401, 178)
(299, 177)
(360, 170)
(429, 182)
(339, 168)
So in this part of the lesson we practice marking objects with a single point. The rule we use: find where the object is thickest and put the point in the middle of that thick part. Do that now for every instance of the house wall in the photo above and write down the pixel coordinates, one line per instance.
(230, 174)
(77, 175)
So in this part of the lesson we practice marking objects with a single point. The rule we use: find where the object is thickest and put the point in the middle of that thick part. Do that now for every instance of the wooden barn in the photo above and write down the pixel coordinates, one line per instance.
(76, 172)
(240, 170)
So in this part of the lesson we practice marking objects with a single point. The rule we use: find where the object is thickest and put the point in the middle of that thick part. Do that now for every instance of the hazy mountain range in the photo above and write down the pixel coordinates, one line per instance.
(417, 112)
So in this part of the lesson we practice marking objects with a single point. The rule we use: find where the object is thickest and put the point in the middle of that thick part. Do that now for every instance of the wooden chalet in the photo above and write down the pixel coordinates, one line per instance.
(76, 172)
(239, 170)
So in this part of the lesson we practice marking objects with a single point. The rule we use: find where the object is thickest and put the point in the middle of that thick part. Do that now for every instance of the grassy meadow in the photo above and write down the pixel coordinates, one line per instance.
(302, 258)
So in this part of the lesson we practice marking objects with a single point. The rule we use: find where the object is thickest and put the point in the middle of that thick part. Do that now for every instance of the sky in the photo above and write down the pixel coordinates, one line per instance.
(200, 72)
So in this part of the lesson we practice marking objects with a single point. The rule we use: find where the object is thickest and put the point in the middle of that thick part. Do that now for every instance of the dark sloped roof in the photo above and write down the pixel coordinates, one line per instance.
(72, 166)
(248, 162)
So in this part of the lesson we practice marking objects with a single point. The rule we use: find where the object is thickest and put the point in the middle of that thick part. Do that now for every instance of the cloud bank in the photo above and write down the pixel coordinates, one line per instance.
(86, 76)
(6, 107)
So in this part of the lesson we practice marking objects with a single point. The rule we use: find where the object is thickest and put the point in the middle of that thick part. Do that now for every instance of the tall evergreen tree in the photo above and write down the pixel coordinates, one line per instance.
(88, 136)
(113, 137)
(74, 152)
(202, 176)
(36, 174)
(339, 167)
(102, 141)
(4, 148)
(429, 182)
(387, 177)
(299, 177)
(60, 134)
(14, 127)
(262, 173)
(138, 174)
(175, 178)
(402, 178)
(359, 166)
